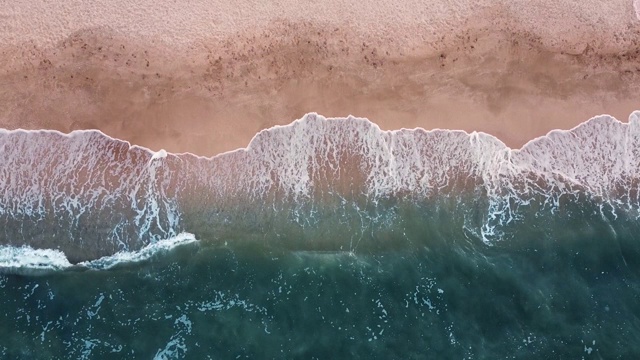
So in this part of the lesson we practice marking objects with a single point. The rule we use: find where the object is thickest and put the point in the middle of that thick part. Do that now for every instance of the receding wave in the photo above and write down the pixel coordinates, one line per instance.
(316, 184)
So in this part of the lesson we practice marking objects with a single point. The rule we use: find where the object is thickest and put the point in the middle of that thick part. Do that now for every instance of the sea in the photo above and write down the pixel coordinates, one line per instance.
(323, 239)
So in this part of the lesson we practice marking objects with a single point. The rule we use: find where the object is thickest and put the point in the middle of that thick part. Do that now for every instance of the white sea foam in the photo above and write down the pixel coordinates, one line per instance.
(146, 253)
(176, 348)
(29, 261)
(88, 180)
(598, 157)
(159, 154)
(26, 260)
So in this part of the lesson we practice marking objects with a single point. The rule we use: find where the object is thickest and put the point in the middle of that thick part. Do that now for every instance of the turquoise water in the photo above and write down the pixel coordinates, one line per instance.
(563, 297)
(325, 239)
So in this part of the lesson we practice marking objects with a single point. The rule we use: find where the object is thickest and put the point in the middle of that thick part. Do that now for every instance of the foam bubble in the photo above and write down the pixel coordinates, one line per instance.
(175, 348)
(89, 186)
(146, 253)
(159, 154)
(26, 260)
(67, 183)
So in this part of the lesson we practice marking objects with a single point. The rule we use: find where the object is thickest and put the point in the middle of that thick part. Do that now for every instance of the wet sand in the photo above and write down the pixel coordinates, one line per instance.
(205, 81)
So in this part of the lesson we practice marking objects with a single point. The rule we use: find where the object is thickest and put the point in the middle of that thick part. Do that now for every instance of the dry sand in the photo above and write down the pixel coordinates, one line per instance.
(205, 76)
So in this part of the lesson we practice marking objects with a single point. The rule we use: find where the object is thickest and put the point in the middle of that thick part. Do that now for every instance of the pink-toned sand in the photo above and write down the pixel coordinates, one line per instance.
(205, 76)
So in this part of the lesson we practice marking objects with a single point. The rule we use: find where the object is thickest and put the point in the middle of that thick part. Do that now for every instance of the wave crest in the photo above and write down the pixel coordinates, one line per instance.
(26, 260)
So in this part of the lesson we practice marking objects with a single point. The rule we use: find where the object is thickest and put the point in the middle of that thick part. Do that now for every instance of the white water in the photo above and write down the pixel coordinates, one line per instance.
(134, 197)
(26, 260)
(32, 261)
(146, 253)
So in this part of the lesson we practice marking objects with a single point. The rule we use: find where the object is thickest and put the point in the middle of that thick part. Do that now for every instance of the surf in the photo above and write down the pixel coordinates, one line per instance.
(318, 184)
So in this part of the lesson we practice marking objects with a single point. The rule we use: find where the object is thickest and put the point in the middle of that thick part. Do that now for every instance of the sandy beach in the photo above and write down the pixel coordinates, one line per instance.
(205, 77)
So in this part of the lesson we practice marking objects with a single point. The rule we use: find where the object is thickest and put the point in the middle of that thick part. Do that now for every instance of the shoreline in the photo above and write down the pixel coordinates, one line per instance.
(163, 153)
(90, 186)
(214, 95)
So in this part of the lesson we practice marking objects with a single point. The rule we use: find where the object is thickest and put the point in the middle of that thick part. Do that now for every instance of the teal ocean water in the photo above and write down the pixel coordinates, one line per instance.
(324, 239)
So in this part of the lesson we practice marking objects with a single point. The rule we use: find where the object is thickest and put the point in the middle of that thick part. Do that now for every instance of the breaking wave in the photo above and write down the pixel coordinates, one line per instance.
(26, 260)
(316, 184)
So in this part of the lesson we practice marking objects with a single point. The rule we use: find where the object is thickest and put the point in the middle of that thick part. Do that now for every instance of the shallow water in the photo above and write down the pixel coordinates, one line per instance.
(323, 239)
